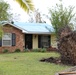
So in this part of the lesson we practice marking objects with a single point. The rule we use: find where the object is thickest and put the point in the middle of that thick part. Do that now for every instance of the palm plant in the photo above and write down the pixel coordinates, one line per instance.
(27, 5)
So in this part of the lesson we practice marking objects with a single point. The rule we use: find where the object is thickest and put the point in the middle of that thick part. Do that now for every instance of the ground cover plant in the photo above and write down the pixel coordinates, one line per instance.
(28, 64)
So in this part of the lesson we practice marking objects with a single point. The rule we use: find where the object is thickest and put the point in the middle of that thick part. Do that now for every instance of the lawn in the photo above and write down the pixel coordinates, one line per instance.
(28, 64)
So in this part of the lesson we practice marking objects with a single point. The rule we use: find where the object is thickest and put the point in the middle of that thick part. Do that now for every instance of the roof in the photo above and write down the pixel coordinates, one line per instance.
(34, 28)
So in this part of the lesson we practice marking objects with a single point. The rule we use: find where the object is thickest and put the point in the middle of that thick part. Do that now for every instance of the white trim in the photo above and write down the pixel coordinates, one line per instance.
(16, 27)
(7, 40)
(37, 32)
(25, 31)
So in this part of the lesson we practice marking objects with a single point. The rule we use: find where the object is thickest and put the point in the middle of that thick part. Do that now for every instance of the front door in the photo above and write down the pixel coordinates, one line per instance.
(28, 41)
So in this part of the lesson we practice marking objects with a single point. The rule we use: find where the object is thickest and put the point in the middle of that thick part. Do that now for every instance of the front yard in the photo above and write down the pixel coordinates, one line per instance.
(28, 64)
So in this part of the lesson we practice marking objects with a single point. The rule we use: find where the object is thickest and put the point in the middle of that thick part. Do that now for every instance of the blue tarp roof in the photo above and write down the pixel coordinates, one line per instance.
(35, 27)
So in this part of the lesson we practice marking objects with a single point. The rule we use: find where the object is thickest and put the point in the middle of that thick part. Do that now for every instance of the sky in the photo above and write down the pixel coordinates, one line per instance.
(42, 5)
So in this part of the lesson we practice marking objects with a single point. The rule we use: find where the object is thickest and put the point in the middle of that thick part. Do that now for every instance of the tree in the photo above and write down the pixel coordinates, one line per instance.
(4, 13)
(1, 31)
(36, 16)
(61, 16)
(27, 5)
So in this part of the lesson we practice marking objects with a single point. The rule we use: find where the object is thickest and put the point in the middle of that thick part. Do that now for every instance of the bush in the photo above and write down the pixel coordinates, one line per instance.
(5, 51)
(43, 50)
(39, 50)
(52, 49)
(17, 50)
(26, 50)
(36, 50)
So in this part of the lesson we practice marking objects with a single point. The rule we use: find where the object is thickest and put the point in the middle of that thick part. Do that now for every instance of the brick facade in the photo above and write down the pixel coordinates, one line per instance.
(19, 38)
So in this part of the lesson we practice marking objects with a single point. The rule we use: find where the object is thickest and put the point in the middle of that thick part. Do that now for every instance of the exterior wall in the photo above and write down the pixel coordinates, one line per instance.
(35, 41)
(19, 38)
(53, 40)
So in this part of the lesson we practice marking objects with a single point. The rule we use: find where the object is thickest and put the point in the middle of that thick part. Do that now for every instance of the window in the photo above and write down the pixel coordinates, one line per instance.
(7, 39)
(45, 41)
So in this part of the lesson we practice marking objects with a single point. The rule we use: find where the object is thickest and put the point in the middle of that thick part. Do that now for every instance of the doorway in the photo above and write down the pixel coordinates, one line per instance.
(28, 41)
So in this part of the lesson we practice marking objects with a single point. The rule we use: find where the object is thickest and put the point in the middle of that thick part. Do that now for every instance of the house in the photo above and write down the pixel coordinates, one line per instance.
(20, 35)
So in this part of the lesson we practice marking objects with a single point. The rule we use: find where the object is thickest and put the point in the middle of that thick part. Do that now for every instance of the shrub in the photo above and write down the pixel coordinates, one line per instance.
(43, 50)
(36, 50)
(26, 50)
(52, 49)
(39, 50)
(17, 50)
(5, 51)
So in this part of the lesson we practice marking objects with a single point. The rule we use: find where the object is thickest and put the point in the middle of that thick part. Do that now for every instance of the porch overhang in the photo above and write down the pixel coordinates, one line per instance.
(26, 32)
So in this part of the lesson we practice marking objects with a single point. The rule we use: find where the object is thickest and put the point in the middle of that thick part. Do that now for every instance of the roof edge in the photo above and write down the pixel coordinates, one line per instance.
(16, 27)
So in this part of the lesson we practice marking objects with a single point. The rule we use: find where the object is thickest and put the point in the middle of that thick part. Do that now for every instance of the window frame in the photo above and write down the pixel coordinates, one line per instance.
(45, 41)
(7, 39)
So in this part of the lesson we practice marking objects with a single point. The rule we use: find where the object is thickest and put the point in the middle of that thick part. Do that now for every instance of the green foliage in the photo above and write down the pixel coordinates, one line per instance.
(26, 50)
(43, 50)
(17, 50)
(4, 13)
(39, 50)
(27, 5)
(61, 16)
(5, 51)
(36, 50)
(1, 31)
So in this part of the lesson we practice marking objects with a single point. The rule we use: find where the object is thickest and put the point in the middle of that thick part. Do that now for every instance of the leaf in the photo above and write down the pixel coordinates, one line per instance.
(27, 5)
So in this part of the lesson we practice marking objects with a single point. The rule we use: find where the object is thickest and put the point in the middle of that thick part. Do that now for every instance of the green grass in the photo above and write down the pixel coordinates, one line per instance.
(28, 64)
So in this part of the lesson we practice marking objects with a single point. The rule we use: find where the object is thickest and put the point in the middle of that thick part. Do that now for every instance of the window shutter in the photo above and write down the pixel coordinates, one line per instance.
(0, 42)
(13, 39)
(49, 37)
(39, 41)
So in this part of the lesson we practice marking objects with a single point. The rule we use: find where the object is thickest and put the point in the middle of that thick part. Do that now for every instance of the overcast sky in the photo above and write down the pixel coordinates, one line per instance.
(42, 5)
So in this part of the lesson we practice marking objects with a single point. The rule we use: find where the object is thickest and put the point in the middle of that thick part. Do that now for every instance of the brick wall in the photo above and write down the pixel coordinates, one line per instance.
(19, 38)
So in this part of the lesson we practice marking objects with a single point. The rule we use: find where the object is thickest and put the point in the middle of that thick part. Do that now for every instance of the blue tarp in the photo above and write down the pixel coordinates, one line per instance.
(35, 27)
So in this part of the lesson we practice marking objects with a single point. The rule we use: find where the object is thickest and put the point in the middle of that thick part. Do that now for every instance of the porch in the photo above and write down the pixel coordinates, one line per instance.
(34, 41)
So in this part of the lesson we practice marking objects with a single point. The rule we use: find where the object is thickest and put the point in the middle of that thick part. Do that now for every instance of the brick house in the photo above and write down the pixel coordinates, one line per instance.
(26, 35)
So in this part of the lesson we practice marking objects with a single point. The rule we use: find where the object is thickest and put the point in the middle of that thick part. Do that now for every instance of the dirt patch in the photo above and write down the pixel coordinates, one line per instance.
(51, 60)
(55, 60)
